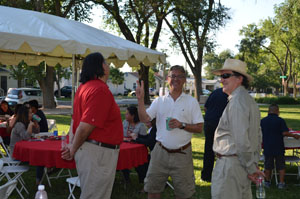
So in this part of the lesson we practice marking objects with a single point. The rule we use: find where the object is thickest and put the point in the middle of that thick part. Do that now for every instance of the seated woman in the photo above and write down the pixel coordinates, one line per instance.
(23, 127)
(132, 127)
(132, 123)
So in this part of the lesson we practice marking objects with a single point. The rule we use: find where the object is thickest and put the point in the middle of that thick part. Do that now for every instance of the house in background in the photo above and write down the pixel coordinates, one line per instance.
(6, 81)
(130, 79)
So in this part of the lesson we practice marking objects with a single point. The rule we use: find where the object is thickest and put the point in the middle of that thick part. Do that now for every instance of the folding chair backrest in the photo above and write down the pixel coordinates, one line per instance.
(51, 124)
(4, 151)
(6, 189)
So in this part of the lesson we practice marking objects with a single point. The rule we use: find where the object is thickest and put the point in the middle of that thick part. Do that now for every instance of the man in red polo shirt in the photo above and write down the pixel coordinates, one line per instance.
(98, 130)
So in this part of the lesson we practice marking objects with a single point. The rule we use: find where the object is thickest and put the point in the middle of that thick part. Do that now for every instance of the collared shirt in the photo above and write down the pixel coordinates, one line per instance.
(239, 131)
(94, 104)
(185, 109)
(273, 128)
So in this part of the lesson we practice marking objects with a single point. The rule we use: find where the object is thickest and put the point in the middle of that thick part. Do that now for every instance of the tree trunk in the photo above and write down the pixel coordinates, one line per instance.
(144, 73)
(198, 80)
(47, 86)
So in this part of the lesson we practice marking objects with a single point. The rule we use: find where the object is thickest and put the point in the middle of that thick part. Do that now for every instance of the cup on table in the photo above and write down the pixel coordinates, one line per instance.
(167, 123)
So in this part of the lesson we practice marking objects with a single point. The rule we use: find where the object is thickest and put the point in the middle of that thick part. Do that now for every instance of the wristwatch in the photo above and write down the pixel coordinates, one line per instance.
(183, 125)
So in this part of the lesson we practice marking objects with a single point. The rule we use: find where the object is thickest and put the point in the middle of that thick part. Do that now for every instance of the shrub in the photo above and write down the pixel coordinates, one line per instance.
(278, 100)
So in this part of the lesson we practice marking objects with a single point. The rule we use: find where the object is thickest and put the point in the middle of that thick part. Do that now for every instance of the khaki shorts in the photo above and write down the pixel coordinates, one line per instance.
(177, 165)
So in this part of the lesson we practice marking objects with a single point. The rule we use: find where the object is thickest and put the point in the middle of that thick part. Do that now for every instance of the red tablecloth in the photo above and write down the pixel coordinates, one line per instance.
(47, 153)
(3, 132)
(292, 143)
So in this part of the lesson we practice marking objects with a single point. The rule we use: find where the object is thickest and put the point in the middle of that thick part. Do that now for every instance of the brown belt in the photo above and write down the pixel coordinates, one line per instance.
(220, 155)
(180, 150)
(110, 146)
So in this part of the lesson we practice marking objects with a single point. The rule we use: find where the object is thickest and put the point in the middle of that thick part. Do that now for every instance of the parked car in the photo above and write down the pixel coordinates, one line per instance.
(206, 92)
(132, 93)
(65, 91)
(21, 95)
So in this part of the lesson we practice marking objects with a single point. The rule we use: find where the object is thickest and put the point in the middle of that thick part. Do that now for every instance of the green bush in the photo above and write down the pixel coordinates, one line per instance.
(278, 100)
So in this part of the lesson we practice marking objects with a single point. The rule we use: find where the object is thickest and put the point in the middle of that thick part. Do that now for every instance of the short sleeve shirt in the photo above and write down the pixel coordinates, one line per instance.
(94, 104)
(273, 128)
(185, 109)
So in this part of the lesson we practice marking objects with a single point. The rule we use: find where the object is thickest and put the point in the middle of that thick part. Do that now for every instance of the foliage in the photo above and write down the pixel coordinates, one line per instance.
(278, 100)
(116, 76)
(215, 62)
(192, 24)
(151, 78)
(61, 72)
(139, 21)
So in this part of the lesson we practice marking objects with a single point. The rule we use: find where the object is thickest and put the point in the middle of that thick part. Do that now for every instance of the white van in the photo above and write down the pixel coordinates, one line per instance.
(21, 95)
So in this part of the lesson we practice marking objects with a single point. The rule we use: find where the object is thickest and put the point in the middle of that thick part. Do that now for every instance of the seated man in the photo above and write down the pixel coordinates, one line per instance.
(274, 129)
(34, 105)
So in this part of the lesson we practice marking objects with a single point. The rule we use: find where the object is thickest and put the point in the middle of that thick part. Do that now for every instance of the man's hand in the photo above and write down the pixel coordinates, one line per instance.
(139, 91)
(254, 176)
(174, 123)
(67, 153)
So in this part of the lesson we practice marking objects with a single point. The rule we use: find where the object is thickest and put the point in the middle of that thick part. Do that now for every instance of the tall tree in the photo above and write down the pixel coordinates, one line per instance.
(139, 21)
(193, 24)
(215, 62)
(116, 76)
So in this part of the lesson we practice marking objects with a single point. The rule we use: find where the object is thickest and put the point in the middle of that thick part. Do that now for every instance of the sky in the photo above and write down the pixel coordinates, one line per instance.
(243, 12)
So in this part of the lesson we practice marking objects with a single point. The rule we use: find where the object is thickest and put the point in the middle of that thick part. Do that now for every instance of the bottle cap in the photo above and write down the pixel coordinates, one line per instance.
(41, 187)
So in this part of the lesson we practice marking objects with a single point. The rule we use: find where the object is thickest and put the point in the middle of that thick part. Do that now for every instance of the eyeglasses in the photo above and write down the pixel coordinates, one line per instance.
(227, 75)
(178, 77)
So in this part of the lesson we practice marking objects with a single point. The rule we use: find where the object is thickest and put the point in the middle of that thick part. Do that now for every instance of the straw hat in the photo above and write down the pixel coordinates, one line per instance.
(236, 66)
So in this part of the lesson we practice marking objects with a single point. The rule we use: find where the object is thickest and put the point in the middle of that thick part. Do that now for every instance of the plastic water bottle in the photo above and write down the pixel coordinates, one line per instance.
(55, 131)
(63, 140)
(260, 189)
(41, 193)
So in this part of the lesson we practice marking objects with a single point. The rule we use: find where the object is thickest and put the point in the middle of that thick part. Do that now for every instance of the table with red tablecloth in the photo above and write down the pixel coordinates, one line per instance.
(48, 153)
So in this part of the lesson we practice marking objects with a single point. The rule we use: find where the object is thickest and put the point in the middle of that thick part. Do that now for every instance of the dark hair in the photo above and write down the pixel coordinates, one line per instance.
(9, 111)
(273, 108)
(134, 112)
(34, 103)
(17, 107)
(22, 115)
(92, 67)
(245, 81)
(177, 67)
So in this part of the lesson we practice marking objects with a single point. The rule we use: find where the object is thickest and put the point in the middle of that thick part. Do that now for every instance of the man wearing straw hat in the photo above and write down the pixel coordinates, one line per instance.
(237, 141)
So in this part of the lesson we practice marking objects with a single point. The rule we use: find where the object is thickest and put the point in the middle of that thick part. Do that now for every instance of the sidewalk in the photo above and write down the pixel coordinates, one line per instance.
(59, 110)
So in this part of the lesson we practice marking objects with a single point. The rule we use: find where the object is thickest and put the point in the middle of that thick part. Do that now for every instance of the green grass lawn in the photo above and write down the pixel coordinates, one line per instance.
(60, 190)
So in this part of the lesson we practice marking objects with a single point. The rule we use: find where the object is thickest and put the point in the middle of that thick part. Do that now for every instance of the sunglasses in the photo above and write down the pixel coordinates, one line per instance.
(227, 75)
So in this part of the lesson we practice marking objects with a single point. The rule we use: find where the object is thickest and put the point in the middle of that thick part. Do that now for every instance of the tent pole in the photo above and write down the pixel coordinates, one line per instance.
(164, 79)
(73, 80)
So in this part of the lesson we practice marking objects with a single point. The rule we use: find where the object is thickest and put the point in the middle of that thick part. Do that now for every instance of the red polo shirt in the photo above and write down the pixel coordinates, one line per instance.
(94, 104)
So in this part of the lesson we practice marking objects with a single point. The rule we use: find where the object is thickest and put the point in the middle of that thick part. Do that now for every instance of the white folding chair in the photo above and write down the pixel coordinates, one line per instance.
(51, 124)
(7, 189)
(59, 175)
(6, 158)
(73, 182)
(14, 173)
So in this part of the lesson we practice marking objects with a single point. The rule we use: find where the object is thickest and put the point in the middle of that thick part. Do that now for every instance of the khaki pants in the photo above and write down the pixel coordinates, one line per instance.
(96, 167)
(177, 165)
(229, 180)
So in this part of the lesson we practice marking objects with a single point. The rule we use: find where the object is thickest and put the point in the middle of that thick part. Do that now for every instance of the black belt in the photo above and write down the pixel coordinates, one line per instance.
(110, 146)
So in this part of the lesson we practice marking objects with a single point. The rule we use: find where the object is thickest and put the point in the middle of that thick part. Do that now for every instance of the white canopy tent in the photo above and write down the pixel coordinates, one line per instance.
(35, 37)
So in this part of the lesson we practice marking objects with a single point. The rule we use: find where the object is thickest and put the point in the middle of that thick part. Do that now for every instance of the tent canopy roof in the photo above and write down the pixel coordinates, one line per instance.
(34, 37)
